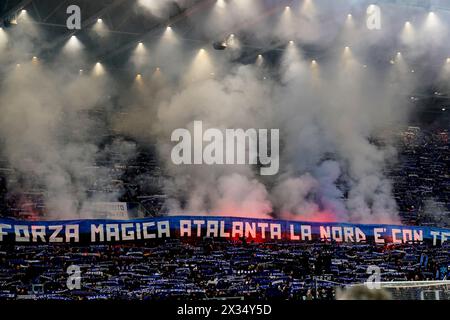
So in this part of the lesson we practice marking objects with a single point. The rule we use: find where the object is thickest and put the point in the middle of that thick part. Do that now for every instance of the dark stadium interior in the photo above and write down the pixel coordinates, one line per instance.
(211, 268)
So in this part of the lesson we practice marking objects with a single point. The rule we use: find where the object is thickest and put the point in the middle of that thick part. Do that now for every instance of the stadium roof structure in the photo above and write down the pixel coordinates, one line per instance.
(128, 24)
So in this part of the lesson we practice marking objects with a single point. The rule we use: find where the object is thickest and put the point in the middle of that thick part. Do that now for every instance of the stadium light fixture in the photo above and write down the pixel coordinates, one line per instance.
(221, 3)
(19, 16)
(73, 45)
(3, 37)
(408, 33)
(140, 50)
(308, 7)
(99, 20)
(432, 22)
(169, 36)
(138, 79)
(349, 22)
(200, 67)
(259, 60)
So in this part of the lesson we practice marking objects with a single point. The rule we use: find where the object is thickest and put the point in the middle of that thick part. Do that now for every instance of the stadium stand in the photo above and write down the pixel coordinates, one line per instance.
(423, 162)
(211, 269)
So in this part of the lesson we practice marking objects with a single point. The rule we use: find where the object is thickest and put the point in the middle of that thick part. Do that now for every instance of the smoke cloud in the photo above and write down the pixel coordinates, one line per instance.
(330, 87)
(49, 132)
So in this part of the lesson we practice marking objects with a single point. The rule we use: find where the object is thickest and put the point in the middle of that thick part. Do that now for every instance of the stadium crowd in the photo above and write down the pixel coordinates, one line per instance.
(211, 269)
(423, 161)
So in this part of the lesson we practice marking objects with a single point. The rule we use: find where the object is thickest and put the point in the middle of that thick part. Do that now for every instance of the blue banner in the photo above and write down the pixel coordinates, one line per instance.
(195, 227)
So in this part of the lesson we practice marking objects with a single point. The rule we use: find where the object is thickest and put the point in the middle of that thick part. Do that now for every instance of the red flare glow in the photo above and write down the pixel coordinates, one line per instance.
(321, 216)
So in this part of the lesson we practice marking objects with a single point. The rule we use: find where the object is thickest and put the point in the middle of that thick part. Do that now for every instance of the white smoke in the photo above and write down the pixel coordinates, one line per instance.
(48, 135)
(328, 115)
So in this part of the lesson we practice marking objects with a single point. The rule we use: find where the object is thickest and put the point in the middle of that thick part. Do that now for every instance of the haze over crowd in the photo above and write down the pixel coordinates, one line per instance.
(329, 85)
